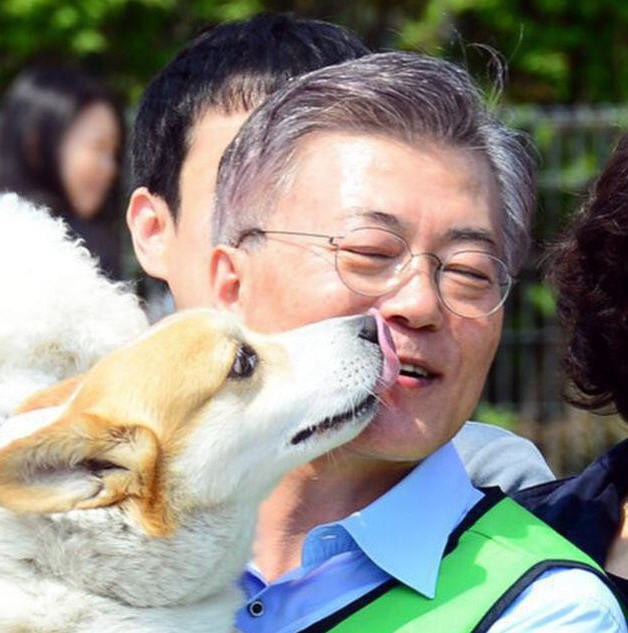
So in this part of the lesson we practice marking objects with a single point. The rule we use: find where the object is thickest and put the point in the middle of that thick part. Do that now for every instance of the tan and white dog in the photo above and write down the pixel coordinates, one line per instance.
(131, 506)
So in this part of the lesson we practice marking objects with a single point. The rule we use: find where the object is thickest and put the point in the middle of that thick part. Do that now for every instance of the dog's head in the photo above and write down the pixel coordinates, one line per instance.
(194, 412)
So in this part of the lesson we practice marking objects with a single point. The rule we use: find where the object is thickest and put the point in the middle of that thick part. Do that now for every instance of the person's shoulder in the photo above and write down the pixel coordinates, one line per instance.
(494, 456)
(573, 600)
(585, 508)
(478, 432)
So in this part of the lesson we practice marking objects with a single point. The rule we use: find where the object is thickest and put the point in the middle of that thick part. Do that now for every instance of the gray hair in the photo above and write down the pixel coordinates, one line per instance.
(403, 96)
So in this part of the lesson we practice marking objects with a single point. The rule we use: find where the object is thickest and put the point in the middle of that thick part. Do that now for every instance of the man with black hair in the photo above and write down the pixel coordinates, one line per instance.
(190, 112)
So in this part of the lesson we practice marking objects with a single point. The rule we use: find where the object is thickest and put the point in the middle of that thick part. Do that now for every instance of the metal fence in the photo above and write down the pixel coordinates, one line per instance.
(524, 386)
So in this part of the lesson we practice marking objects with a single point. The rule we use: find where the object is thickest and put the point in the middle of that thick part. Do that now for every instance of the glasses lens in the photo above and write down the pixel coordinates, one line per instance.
(473, 283)
(368, 260)
(372, 261)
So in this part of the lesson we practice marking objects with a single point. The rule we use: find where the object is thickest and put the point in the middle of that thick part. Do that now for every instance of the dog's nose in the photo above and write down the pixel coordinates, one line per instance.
(369, 329)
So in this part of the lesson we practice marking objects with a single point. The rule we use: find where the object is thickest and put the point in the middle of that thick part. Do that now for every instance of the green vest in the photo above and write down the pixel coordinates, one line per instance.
(491, 558)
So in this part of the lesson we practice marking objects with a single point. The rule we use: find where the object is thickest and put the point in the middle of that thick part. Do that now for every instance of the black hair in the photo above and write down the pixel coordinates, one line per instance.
(231, 68)
(589, 270)
(37, 110)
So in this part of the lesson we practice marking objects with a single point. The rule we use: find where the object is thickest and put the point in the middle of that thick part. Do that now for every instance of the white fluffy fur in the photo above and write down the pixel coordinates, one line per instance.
(58, 313)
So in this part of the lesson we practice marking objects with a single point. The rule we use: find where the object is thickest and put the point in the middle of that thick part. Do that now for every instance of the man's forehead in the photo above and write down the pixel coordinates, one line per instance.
(445, 193)
(320, 145)
(348, 158)
(208, 139)
(214, 122)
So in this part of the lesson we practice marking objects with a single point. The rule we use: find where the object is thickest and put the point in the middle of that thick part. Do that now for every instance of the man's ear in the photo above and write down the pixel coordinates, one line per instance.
(151, 225)
(79, 461)
(225, 277)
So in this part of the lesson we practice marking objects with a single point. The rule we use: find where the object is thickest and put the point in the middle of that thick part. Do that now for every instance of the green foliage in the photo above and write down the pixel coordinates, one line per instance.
(123, 41)
(497, 415)
(542, 298)
(556, 50)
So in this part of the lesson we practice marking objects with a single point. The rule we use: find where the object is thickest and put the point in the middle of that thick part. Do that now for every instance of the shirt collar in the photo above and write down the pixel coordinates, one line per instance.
(405, 531)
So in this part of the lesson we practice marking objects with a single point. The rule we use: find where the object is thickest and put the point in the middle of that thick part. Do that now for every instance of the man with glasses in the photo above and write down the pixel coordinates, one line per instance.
(188, 114)
(374, 261)
(384, 184)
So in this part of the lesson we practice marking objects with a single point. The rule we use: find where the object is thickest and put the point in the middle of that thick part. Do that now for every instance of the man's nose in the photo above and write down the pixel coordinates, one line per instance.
(415, 301)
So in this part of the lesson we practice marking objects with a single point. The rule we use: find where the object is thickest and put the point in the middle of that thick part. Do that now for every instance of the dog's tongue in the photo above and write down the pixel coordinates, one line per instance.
(390, 370)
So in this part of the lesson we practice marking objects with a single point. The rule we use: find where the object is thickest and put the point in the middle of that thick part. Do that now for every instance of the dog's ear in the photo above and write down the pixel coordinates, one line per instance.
(79, 461)
(52, 396)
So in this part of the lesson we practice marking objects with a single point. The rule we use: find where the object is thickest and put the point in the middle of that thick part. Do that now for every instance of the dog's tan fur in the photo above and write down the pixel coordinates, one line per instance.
(128, 494)
(50, 397)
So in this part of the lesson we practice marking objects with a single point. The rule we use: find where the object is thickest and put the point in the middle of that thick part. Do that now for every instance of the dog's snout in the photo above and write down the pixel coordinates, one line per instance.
(368, 330)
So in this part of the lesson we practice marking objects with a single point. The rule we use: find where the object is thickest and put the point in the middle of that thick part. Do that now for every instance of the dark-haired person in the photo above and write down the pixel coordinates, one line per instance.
(589, 270)
(189, 113)
(61, 137)
(187, 116)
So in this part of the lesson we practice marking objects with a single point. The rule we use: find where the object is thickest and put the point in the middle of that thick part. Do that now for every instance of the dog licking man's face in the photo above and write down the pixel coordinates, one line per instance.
(196, 412)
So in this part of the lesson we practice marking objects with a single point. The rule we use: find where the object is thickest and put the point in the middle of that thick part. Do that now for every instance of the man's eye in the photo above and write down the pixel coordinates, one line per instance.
(368, 251)
(244, 363)
(473, 275)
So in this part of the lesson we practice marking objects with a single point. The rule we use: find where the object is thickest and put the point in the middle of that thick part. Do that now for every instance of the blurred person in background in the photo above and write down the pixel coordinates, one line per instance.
(61, 140)
(588, 267)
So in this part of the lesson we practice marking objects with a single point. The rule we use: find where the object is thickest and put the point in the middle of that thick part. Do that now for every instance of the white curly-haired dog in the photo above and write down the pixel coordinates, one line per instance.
(58, 313)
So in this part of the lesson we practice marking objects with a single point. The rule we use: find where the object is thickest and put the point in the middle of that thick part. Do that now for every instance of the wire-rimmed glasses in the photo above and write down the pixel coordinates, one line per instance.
(374, 261)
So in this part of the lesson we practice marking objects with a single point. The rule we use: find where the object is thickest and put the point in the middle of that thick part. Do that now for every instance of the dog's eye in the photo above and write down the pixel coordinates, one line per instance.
(244, 363)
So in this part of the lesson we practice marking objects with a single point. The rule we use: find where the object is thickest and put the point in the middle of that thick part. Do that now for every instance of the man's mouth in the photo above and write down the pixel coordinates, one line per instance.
(414, 371)
(361, 410)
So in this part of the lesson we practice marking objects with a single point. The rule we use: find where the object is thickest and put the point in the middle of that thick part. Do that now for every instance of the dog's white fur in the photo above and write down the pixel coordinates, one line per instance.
(131, 506)
(58, 313)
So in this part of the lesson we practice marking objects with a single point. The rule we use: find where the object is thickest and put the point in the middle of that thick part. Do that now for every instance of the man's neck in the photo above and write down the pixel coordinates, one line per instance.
(323, 491)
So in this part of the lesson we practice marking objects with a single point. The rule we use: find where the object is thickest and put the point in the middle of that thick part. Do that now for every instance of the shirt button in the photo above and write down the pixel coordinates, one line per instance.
(256, 608)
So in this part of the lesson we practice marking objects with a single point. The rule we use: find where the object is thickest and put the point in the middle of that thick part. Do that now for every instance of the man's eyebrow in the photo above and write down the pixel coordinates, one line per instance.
(453, 235)
(472, 234)
(388, 220)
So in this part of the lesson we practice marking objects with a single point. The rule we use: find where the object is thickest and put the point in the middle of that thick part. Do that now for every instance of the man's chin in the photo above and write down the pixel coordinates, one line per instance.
(395, 440)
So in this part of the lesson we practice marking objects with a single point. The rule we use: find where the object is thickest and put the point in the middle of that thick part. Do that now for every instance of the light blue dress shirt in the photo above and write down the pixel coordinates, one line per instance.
(403, 534)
